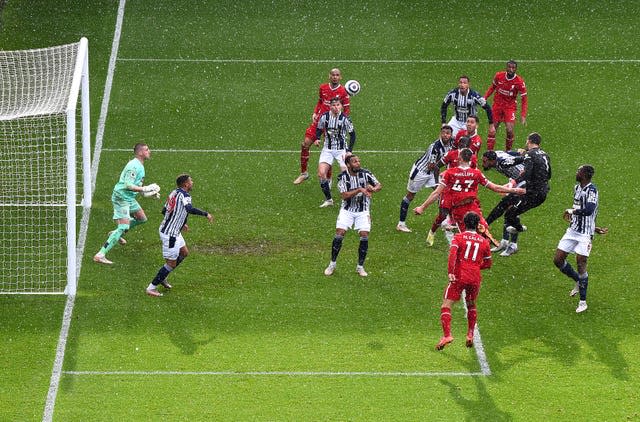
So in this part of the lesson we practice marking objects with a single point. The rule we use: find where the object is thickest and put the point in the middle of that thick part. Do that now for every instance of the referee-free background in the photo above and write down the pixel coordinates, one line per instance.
(252, 329)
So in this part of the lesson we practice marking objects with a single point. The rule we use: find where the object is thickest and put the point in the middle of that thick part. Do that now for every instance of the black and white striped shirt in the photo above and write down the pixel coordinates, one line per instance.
(464, 105)
(509, 164)
(432, 155)
(347, 182)
(585, 209)
(335, 130)
(176, 210)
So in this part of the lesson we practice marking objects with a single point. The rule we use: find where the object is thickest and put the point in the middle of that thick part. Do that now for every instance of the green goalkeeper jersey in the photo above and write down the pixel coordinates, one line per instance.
(132, 175)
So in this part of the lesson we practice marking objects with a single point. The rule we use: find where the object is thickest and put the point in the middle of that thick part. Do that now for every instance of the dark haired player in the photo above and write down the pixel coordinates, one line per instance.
(537, 172)
(471, 132)
(506, 85)
(356, 186)
(326, 93)
(174, 248)
(578, 237)
(465, 102)
(469, 253)
(424, 173)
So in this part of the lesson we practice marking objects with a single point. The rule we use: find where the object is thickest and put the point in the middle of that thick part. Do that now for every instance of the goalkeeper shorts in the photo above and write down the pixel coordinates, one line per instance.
(124, 208)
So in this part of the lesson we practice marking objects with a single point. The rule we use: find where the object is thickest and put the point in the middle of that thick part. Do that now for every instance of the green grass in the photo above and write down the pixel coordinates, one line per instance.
(252, 296)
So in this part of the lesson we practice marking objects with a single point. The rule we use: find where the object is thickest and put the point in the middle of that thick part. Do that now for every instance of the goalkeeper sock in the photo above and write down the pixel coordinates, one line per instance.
(113, 238)
(135, 222)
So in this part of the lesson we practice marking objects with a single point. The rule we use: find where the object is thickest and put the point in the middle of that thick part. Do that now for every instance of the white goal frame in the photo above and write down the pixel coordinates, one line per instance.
(79, 87)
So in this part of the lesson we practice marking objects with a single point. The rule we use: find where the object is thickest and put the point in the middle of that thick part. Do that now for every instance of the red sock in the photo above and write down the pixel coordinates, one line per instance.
(445, 320)
(509, 143)
(472, 317)
(436, 223)
(491, 142)
(304, 159)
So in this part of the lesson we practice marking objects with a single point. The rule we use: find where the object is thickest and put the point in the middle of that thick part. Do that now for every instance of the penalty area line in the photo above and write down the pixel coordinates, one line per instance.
(348, 374)
(257, 151)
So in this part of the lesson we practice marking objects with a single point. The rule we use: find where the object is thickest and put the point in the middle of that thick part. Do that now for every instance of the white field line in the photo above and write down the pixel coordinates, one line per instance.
(364, 61)
(260, 151)
(346, 374)
(56, 372)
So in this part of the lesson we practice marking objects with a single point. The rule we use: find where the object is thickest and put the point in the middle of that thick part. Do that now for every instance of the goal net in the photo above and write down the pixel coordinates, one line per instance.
(42, 124)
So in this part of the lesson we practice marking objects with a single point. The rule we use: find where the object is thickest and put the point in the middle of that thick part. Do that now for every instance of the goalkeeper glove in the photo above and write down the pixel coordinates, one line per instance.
(151, 188)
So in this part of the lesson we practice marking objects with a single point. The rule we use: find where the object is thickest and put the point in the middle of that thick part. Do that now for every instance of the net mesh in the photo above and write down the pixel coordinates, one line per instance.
(35, 87)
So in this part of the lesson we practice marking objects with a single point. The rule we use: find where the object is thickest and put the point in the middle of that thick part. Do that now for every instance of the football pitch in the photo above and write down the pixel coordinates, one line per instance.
(252, 329)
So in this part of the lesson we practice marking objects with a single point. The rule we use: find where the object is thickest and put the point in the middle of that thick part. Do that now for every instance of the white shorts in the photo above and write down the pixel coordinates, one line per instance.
(168, 252)
(574, 242)
(328, 155)
(359, 221)
(418, 179)
(457, 126)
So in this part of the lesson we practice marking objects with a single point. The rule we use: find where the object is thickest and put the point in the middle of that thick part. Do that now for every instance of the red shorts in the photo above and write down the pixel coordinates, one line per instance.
(457, 213)
(311, 130)
(453, 291)
(503, 114)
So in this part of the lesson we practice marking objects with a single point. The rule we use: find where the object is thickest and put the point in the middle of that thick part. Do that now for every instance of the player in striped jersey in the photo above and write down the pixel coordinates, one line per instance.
(326, 92)
(509, 164)
(577, 239)
(356, 186)
(424, 173)
(174, 248)
(335, 125)
(465, 102)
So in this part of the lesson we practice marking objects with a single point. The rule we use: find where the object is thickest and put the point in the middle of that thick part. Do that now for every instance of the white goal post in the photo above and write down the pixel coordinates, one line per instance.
(39, 173)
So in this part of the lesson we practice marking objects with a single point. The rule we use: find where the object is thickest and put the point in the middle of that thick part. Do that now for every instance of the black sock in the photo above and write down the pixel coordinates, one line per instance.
(362, 250)
(569, 271)
(163, 272)
(335, 247)
(404, 208)
(324, 185)
(583, 282)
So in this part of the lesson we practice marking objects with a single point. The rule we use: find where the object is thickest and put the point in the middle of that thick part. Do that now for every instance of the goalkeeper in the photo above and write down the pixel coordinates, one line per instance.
(126, 210)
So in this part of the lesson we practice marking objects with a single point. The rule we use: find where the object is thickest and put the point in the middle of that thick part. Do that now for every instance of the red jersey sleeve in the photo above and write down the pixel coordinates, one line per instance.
(453, 256)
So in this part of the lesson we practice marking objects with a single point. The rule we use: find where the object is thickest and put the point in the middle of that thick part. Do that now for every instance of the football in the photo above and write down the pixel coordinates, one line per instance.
(352, 87)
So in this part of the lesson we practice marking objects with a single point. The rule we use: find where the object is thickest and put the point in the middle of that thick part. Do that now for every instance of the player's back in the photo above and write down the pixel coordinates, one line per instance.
(472, 253)
(463, 184)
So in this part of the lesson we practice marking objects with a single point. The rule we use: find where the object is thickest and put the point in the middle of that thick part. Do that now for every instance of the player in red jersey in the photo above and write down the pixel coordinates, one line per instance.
(326, 93)
(471, 132)
(449, 160)
(506, 85)
(461, 187)
(469, 253)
